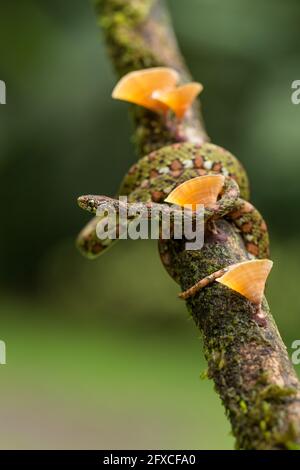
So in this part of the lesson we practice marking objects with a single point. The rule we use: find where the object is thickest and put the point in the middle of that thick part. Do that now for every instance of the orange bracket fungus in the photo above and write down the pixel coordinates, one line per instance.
(179, 99)
(248, 278)
(156, 89)
(200, 190)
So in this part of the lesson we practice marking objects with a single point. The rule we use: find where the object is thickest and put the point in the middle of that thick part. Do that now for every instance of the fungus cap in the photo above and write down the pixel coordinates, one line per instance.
(248, 278)
(200, 190)
(138, 87)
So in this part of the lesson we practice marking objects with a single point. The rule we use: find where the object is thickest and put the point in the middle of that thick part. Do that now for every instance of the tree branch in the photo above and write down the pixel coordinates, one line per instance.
(248, 363)
(139, 35)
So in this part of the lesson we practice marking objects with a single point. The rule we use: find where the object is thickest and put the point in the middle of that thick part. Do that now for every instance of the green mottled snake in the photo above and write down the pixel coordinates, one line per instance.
(154, 176)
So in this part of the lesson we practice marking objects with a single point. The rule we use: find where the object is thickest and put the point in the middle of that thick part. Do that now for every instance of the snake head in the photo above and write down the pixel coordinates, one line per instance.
(91, 203)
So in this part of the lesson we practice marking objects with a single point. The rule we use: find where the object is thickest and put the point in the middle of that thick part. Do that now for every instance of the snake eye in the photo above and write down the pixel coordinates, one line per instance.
(200, 190)
(179, 99)
(248, 278)
(138, 87)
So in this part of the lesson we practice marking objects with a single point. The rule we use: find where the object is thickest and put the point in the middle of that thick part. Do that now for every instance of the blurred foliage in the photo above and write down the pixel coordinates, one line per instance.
(88, 388)
(98, 344)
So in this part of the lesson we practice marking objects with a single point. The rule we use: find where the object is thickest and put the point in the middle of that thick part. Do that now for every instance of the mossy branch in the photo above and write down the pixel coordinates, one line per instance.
(249, 364)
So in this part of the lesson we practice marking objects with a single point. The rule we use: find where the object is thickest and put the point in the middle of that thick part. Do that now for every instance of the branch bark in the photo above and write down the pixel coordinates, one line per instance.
(249, 364)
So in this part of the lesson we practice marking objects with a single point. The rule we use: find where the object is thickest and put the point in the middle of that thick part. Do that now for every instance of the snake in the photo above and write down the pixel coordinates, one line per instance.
(154, 176)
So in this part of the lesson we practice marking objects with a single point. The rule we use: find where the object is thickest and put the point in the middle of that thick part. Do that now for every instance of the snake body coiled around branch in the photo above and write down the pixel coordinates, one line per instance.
(154, 176)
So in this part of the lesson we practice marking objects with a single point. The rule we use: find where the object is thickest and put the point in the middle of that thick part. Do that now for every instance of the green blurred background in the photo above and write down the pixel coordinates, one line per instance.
(102, 354)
